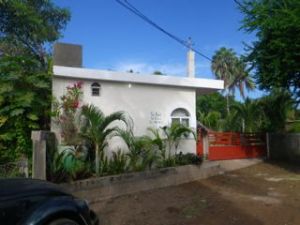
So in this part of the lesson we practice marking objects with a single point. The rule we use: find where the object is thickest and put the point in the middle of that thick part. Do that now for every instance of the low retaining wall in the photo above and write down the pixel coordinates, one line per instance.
(97, 189)
(284, 147)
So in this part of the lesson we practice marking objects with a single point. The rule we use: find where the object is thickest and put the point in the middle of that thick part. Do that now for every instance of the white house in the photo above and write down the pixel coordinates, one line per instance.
(150, 100)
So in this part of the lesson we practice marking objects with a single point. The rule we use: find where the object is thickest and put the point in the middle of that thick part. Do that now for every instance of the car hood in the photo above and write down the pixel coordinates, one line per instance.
(18, 187)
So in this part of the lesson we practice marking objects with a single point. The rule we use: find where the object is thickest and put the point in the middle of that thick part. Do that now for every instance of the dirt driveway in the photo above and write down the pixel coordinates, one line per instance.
(266, 194)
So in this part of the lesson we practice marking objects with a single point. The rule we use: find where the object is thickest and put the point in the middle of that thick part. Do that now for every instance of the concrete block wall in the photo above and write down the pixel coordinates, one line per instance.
(98, 189)
(284, 146)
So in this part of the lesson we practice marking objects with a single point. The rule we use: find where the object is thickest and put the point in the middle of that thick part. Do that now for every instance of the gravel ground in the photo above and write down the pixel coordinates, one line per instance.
(264, 194)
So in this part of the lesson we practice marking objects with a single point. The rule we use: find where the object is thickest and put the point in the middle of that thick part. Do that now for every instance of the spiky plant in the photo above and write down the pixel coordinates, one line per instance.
(158, 142)
(97, 128)
(174, 135)
(140, 150)
(118, 162)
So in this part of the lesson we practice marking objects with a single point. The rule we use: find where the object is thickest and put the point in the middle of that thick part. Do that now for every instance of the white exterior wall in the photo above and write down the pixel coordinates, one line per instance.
(148, 105)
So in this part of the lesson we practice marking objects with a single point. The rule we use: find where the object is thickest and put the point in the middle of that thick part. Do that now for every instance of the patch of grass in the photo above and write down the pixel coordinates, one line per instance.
(194, 209)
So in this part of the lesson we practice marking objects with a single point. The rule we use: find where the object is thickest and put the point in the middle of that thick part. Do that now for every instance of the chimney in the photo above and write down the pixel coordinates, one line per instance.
(191, 63)
(67, 55)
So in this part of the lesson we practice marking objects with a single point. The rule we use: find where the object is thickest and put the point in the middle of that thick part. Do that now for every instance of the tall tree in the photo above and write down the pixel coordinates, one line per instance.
(226, 65)
(27, 29)
(29, 26)
(275, 108)
(223, 66)
(275, 55)
(242, 79)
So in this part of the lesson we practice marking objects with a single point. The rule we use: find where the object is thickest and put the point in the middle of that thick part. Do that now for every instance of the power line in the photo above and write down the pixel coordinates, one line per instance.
(138, 13)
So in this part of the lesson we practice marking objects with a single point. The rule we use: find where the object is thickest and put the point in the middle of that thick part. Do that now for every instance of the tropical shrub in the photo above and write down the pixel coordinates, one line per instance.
(158, 143)
(118, 162)
(188, 158)
(97, 128)
(141, 153)
(68, 165)
(174, 135)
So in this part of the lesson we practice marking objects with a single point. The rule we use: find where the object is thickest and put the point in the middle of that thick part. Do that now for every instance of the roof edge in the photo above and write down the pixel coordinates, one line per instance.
(114, 76)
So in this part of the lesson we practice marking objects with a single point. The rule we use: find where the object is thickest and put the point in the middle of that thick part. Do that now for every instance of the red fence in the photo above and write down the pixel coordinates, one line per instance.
(230, 145)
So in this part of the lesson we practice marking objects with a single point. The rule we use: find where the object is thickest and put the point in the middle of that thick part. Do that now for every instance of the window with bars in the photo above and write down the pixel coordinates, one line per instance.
(95, 89)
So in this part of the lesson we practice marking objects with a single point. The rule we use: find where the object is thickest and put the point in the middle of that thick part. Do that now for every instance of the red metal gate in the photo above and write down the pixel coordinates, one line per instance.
(231, 145)
(200, 143)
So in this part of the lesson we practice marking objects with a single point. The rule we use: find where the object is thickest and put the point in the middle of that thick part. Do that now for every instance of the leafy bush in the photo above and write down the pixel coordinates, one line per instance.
(118, 162)
(67, 166)
(141, 154)
(24, 104)
(188, 158)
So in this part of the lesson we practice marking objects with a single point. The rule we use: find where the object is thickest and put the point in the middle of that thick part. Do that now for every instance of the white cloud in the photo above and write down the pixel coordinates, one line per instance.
(147, 68)
(176, 69)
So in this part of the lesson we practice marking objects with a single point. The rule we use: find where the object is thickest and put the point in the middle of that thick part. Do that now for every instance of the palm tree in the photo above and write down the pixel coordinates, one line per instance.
(141, 154)
(211, 119)
(158, 142)
(249, 114)
(97, 128)
(174, 134)
(242, 79)
(233, 70)
(223, 65)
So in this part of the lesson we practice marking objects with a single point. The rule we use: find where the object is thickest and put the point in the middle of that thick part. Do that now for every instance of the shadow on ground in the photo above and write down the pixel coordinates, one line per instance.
(286, 165)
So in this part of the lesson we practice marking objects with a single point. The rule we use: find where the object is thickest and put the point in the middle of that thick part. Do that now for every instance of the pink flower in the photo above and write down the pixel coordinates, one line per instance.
(79, 84)
(76, 104)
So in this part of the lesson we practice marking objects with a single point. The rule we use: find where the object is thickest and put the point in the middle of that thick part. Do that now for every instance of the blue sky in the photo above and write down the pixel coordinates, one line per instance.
(113, 38)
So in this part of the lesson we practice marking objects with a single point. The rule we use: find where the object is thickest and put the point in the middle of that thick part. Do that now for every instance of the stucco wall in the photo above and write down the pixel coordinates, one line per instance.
(148, 105)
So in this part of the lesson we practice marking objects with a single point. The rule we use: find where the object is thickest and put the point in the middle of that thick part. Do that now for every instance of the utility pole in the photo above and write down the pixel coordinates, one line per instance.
(190, 59)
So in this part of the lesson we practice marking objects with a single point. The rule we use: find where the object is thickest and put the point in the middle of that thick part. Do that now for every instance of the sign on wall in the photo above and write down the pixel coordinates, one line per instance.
(155, 118)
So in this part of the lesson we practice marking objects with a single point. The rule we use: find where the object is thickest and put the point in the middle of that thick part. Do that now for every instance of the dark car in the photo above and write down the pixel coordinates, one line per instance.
(36, 202)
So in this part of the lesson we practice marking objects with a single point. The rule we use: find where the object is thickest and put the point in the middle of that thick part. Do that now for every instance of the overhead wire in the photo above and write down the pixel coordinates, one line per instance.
(126, 4)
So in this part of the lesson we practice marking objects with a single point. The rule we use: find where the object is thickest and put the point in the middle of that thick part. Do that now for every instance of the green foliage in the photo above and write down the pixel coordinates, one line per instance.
(294, 127)
(118, 162)
(169, 162)
(274, 56)
(188, 158)
(275, 108)
(64, 114)
(141, 154)
(174, 134)
(158, 143)
(24, 91)
(268, 113)
(104, 167)
(97, 128)
(249, 115)
(67, 166)
(211, 119)
(232, 69)
(212, 102)
(26, 27)
(157, 72)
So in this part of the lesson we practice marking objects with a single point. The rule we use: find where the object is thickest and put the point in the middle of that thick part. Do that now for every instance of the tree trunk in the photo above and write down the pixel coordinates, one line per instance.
(227, 101)
(97, 159)
(243, 125)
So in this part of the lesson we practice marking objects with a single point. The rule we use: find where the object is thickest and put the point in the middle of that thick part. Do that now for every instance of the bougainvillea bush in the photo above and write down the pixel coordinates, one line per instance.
(65, 111)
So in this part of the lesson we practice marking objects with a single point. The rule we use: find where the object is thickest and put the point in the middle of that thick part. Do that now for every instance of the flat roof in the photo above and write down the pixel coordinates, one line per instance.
(201, 85)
